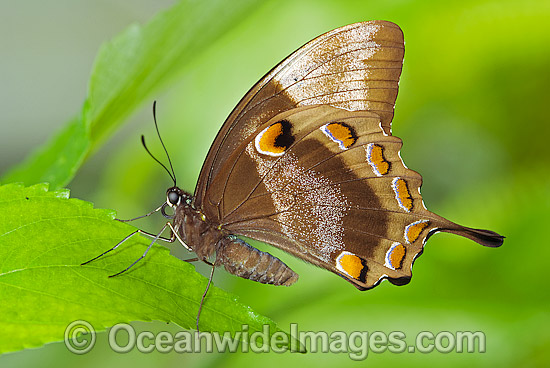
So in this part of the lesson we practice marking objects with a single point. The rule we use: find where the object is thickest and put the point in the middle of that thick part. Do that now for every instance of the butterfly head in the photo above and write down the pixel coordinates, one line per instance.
(175, 197)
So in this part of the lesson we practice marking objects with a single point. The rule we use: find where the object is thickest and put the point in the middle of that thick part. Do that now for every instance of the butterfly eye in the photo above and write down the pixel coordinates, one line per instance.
(173, 198)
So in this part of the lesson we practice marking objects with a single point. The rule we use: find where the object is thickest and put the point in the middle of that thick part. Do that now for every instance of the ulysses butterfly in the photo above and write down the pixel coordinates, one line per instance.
(307, 162)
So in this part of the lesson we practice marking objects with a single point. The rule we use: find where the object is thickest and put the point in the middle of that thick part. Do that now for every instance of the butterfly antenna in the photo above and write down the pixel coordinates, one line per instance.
(154, 158)
(173, 176)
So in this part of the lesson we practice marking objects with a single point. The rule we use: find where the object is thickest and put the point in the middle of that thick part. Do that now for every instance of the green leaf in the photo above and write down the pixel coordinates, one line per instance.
(127, 71)
(57, 161)
(45, 236)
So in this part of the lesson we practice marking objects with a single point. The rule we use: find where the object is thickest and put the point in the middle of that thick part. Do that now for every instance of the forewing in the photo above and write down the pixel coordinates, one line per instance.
(356, 67)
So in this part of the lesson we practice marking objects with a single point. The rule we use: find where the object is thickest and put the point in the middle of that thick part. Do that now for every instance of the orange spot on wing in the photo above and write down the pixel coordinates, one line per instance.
(350, 264)
(375, 157)
(275, 139)
(395, 256)
(402, 194)
(340, 133)
(267, 140)
(412, 231)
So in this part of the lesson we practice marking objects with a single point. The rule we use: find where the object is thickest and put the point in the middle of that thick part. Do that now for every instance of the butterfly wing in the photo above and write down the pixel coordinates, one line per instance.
(356, 67)
(307, 162)
(328, 185)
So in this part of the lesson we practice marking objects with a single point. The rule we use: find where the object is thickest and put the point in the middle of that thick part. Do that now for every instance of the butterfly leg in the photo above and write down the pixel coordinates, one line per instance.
(155, 238)
(113, 248)
(195, 259)
(144, 253)
(176, 235)
(204, 295)
(170, 240)
(146, 215)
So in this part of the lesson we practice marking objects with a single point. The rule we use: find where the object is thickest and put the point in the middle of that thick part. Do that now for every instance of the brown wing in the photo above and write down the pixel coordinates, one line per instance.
(356, 67)
(328, 186)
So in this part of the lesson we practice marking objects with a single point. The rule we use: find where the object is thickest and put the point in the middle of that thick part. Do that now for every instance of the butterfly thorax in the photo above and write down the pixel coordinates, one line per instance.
(191, 225)
(209, 240)
(196, 231)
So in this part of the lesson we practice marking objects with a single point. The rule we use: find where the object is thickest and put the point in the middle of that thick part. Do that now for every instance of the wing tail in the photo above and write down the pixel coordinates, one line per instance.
(487, 238)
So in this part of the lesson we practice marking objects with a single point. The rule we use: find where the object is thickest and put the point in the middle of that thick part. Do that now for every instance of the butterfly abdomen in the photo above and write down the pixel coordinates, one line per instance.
(242, 260)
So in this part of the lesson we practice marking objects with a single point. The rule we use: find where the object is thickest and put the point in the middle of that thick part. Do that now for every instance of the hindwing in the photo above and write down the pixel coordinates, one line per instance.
(328, 186)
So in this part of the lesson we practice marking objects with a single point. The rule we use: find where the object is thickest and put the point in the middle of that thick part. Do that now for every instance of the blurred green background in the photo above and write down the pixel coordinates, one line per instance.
(471, 112)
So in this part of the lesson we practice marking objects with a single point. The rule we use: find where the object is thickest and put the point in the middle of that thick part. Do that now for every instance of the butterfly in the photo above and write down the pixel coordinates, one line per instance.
(307, 162)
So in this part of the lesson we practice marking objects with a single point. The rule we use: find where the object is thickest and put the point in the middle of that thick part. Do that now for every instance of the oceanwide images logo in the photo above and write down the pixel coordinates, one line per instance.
(80, 338)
